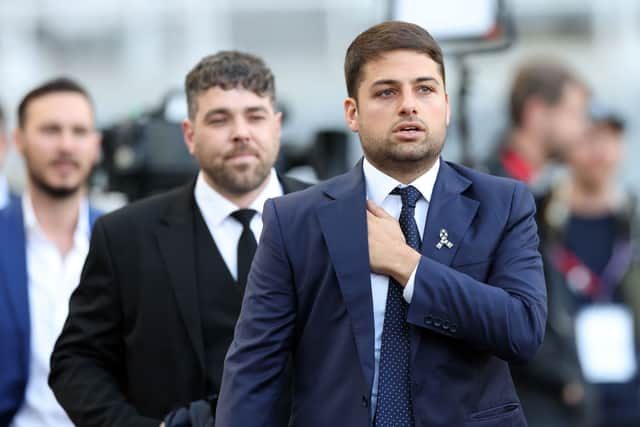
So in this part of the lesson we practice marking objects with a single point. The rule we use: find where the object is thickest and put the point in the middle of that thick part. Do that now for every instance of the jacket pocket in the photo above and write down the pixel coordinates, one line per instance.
(495, 416)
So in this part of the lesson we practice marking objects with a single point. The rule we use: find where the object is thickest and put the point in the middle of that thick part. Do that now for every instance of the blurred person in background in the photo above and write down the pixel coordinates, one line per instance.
(6, 195)
(157, 304)
(45, 239)
(590, 239)
(548, 111)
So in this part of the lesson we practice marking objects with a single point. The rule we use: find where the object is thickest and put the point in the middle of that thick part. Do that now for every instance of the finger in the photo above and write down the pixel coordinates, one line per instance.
(377, 210)
(370, 216)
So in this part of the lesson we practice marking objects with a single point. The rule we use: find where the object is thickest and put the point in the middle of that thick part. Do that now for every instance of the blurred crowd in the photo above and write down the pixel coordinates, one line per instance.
(567, 145)
(563, 141)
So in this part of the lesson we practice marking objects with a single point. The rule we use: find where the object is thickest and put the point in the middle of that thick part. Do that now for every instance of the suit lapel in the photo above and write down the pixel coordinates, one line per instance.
(343, 224)
(176, 240)
(290, 185)
(13, 260)
(449, 210)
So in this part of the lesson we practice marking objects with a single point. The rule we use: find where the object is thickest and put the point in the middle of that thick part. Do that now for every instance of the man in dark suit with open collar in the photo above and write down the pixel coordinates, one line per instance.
(400, 290)
(154, 313)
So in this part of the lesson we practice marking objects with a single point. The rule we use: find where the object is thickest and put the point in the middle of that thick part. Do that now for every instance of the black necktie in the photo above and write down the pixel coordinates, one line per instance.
(393, 408)
(246, 244)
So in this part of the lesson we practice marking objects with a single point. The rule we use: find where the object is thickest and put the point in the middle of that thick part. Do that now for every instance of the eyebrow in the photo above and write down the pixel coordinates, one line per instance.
(59, 126)
(395, 82)
(227, 111)
(257, 109)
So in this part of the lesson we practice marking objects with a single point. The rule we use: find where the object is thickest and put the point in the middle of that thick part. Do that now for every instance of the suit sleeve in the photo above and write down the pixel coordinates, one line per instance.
(253, 379)
(87, 360)
(506, 315)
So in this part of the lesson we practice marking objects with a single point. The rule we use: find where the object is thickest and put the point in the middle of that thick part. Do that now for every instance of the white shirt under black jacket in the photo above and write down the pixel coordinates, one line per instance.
(379, 185)
(52, 278)
(224, 229)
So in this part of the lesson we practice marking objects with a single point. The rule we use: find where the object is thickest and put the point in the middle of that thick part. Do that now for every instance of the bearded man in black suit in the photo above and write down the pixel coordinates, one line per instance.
(154, 313)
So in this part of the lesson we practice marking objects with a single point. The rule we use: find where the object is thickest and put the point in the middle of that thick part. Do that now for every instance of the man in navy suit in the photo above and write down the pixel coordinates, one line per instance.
(44, 241)
(388, 322)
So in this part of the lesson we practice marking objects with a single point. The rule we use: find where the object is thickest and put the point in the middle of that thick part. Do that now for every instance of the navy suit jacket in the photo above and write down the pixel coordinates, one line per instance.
(15, 325)
(476, 307)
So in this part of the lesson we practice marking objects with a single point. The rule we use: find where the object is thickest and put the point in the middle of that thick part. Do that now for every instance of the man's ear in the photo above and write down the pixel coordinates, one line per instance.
(446, 98)
(187, 132)
(97, 144)
(18, 139)
(351, 114)
(279, 124)
(534, 113)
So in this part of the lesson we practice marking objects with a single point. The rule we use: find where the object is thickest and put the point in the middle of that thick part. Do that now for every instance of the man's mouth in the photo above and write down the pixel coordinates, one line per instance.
(409, 129)
(243, 155)
(65, 164)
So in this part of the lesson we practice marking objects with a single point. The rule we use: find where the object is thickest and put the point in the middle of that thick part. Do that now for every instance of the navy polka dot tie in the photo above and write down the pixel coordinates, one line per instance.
(394, 384)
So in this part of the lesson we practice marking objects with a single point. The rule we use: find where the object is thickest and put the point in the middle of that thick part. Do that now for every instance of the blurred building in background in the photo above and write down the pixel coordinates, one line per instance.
(132, 53)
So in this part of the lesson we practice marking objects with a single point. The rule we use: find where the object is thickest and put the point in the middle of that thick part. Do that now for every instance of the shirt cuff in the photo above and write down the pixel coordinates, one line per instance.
(407, 293)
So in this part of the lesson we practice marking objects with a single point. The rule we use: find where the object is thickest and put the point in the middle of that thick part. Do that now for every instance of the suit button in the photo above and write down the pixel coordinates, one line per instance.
(453, 328)
(428, 320)
(365, 401)
(445, 325)
(437, 322)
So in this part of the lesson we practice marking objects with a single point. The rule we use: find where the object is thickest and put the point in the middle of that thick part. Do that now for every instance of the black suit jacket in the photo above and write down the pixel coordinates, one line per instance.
(131, 349)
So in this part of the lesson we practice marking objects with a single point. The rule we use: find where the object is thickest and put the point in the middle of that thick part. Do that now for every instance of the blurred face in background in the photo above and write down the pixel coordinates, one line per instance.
(595, 159)
(59, 142)
(235, 137)
(566, 121)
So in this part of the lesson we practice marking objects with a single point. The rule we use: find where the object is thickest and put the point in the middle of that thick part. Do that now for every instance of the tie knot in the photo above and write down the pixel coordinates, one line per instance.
(243, 216)
(409, 194)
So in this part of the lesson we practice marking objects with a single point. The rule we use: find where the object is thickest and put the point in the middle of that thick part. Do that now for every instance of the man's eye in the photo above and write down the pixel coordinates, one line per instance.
(217, 120)
(425, 89)
(385, 93)
(256, 118)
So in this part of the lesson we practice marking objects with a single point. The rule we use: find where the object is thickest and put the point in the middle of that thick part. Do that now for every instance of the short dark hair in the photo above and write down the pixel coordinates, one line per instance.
(386, 37)
(544, 79)
(229, 70)
(60, 84)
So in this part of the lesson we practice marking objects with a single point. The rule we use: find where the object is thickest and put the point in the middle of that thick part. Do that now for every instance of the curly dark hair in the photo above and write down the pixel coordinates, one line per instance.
(228, 70)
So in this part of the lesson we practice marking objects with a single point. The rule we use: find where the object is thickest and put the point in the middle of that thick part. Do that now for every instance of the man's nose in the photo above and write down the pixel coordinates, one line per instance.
(408, 106)
(240, 130)
(66, 140)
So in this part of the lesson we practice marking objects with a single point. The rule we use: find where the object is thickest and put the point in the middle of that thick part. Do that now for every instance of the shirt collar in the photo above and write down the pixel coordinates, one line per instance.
(31, 225)
(216, 208)
(379, 184)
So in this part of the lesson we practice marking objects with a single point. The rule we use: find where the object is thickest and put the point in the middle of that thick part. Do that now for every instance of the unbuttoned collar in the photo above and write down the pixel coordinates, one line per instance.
(32, 227)
(379, 184)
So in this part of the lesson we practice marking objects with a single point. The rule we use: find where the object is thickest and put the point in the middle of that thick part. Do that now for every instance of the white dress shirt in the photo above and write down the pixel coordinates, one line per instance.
(379, 185)
(224, 229)
(51, 280)
(4, 192)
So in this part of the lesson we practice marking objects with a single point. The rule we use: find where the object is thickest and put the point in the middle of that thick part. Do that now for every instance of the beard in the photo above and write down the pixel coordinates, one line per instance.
(391, 156)
(238, 179)
(55, 192)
